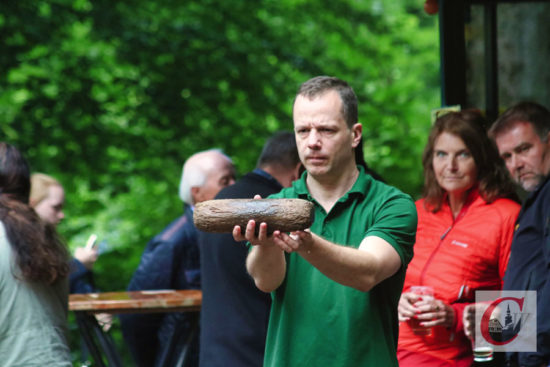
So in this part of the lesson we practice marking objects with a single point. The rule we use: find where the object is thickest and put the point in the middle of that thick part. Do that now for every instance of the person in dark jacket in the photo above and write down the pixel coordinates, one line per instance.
(522, 135)
(234, 312)
(171, 261)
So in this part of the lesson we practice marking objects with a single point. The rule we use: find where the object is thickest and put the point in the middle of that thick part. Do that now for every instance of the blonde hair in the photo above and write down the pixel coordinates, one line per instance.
(40, 183)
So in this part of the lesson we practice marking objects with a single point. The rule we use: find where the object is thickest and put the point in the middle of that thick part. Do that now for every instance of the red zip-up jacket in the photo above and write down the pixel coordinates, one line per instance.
(456, 256)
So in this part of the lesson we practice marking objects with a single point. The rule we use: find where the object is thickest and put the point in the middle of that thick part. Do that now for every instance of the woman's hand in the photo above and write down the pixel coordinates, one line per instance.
(406, 308)
(87, 256)
(427, 310)
(433, 312)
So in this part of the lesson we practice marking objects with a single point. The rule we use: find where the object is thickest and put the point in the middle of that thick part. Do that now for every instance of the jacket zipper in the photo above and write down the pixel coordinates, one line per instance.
(460, 215)
(441, 238)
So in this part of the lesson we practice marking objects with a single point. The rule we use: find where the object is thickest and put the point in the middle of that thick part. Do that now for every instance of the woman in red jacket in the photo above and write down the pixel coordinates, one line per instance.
(465, 226)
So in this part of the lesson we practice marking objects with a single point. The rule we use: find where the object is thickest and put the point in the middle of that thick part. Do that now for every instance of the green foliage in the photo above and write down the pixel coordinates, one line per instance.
(111, 97)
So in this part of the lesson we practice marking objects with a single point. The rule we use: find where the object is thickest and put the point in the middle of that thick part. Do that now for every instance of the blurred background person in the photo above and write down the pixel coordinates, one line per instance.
(48, 198)
(34, 265)
(171, 261)
(234, 312)
(465, 227)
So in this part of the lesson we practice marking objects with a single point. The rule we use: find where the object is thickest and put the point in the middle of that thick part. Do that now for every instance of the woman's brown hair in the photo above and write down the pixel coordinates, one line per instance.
(39, 253)
(493, 181)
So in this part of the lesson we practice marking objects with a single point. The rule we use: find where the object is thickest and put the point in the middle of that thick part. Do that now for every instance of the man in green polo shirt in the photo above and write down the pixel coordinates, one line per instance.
(335, 286)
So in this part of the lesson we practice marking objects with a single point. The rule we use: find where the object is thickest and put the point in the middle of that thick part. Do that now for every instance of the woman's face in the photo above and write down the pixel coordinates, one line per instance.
(454, 166)
(50, 210)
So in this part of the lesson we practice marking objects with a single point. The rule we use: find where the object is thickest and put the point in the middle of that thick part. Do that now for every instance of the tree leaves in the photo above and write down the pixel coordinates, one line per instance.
(111, 97)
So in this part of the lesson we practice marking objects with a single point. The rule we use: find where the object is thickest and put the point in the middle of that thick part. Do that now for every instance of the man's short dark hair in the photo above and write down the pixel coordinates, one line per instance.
(280, 150)
(321, 84)
(534, 113)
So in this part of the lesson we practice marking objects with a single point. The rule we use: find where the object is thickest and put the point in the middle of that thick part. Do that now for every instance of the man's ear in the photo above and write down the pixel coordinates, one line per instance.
(357, 131)
(196, 194)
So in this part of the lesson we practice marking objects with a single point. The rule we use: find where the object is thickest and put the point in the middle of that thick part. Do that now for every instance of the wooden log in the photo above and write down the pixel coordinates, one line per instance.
(222, 215)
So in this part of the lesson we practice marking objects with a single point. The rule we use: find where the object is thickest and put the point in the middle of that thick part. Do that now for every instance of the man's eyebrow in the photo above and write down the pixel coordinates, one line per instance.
(523, 145)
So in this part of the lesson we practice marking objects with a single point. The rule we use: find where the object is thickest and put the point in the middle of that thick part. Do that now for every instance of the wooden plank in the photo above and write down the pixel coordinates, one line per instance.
(137, 301)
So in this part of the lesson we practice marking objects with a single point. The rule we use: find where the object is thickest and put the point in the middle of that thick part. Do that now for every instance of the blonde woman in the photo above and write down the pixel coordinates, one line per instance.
(47, 198)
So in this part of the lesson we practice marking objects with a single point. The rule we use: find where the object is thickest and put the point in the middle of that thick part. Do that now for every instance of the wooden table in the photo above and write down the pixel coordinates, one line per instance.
(100, 343)
(168, 300)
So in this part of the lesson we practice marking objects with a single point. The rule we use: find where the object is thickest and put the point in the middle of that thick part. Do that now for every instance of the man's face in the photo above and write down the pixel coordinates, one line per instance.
(220, 175)
(527, 157)
(325, 142)
(50, 209)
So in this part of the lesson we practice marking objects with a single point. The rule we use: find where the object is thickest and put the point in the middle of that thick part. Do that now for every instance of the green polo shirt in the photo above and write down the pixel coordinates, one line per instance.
(317, 322)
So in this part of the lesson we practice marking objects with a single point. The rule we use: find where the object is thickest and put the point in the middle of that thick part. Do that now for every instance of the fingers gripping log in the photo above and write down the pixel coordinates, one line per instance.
(222, 215)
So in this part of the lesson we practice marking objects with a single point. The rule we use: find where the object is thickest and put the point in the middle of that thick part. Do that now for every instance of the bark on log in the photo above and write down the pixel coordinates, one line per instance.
(222, 215)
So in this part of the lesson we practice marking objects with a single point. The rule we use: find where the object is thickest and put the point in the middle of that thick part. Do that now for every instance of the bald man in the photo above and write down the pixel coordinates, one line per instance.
(171, 261)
